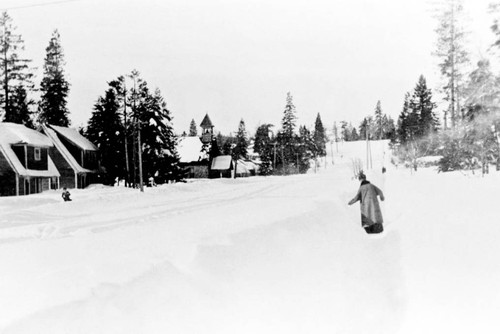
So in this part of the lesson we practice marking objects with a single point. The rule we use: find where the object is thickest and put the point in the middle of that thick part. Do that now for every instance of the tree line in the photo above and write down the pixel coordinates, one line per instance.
(469, 135)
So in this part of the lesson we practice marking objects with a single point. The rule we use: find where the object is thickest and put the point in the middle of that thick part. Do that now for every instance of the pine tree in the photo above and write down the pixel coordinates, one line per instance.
(54, 86)
(19, 101)
(307, 149)
(15, 77)
(422, 109)
(158, 142)
(193, 132)
(453, 55)
(403, 129)
(105, 130)
(379, 121)
(263, 146)
(241, 148)
(320, 137)
(286, 138)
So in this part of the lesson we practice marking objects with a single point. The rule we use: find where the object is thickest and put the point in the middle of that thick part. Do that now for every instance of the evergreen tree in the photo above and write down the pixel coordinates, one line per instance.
(15, 77)
(379, 122)
(105, 130)
(289, 117)
(307, 150)
(193, 132)
(20, 102)
(403, 132)
(320, 137)
(286, 138)
(453, 56)
(367, 129)
(422, 109)
(54, 86)
(241, 148)
(263, 145)
(158, 142)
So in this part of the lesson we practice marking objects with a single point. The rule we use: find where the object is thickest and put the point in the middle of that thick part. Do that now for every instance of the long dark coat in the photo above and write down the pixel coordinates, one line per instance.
(370, 207)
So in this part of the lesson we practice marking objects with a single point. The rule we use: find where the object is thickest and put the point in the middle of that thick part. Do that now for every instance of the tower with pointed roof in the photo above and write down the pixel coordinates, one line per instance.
(207, 132)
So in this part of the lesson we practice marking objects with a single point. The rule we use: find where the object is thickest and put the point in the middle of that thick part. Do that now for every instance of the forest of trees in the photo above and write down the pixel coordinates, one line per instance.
(132, 126)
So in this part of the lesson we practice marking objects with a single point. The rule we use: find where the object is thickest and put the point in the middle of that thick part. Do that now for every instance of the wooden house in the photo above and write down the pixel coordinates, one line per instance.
(25, 164)
(223, 165)
(75, 156)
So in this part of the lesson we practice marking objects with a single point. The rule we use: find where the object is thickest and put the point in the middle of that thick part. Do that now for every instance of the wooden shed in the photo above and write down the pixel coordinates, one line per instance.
(223, 164)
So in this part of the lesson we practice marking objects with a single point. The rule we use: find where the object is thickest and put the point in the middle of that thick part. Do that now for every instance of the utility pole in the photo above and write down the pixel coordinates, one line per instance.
(139, 147)
(138, 123)
(127, 167)
(368, 150)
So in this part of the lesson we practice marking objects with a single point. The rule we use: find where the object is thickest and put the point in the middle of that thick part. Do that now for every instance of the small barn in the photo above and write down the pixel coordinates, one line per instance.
(223, 165)
(75, 156)
(193, 157)
(25, 164)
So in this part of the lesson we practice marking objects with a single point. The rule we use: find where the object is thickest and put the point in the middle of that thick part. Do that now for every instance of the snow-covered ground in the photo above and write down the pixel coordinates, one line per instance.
(256, 255)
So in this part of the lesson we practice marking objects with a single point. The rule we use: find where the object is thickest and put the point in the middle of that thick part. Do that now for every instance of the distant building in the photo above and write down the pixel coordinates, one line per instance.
(196, 153)
(25, 164)
(223, 166)
(193, 157)
(75, 156)
(207, 132)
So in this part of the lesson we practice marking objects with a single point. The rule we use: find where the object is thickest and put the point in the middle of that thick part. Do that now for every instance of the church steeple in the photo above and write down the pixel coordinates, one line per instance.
(207, 130)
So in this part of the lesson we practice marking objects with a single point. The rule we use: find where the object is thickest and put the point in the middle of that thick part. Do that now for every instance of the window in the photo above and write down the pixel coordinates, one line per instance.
(38, 155)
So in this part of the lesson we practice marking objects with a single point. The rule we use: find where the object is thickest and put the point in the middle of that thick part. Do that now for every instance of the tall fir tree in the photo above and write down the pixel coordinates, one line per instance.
(158, 149)
(306, 151)
(379, 121)
(404, 126)
(263, 145)
(422, 109)
(105, 129)
(193, 131)
(20, 101)
(15, 74)
(54, 87)
(319, 136)
(241, 148)
(286, 137)
(453, 56)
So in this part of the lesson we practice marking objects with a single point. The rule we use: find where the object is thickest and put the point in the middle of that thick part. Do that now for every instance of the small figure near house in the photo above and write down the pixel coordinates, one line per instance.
(371, 214)
(152, 182)
(66, 195)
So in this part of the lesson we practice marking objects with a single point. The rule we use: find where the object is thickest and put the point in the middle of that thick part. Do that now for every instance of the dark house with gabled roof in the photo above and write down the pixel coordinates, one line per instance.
(75, 156)
(25, 165)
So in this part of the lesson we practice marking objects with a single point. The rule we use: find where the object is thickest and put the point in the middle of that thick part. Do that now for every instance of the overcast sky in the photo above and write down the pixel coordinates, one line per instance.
(237, 59)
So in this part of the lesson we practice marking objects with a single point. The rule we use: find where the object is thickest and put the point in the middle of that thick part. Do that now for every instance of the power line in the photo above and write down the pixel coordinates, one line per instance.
(38, 5)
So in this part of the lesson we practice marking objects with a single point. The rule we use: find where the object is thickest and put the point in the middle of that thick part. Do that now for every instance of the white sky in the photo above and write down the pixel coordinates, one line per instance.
(237, 59)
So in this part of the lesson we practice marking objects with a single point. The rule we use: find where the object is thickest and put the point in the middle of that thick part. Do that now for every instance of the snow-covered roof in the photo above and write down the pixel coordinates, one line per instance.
(12, 133)
(63, 150)
(222, 162)
(75, 137)
(190, 149)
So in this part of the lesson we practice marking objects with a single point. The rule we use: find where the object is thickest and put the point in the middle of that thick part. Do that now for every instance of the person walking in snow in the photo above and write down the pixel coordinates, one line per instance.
(371, 215)
(66, 195)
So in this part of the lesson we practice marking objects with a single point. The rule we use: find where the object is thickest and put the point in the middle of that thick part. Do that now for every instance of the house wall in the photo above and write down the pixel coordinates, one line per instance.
(41, 164)
(7, 178)
(67, 179)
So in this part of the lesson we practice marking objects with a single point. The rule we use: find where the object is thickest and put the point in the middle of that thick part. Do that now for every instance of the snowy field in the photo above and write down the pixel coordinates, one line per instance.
(256, 255)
